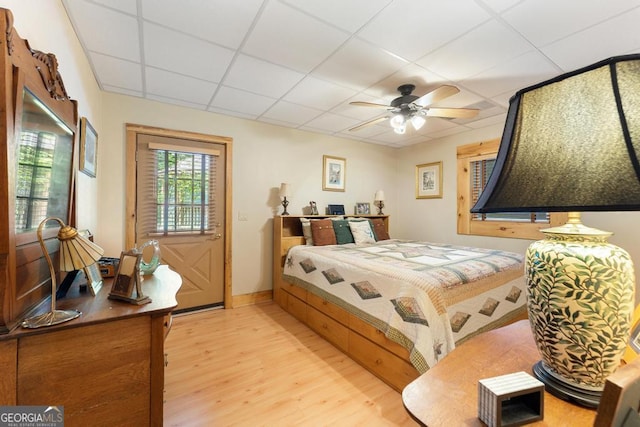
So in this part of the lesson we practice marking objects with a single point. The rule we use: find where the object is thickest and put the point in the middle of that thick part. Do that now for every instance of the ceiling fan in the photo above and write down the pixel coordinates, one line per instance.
(411, 108)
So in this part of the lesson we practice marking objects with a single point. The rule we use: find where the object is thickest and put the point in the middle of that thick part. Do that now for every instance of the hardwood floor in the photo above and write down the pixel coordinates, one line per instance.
(258, 366)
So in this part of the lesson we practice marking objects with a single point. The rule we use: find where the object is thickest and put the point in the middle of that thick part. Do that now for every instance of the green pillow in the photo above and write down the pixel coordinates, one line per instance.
(343, 232)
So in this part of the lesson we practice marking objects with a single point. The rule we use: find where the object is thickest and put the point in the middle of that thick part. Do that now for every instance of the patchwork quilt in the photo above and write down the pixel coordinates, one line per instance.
(425, 296)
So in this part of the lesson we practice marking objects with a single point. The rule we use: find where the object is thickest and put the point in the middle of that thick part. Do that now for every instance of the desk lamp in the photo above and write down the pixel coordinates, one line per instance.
(572, 144)
(76, 253)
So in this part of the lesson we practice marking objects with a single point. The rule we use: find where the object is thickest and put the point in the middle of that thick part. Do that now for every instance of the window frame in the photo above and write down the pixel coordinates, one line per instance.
(492, 228)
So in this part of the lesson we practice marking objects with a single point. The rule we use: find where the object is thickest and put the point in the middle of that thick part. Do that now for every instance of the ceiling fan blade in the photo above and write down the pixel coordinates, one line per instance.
(370, 122)
(438, 94)
(454, 113)
(368, 104)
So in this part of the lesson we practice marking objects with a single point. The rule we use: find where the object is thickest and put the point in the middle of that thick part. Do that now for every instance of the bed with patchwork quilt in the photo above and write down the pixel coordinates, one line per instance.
(426, 297)
(420, 296)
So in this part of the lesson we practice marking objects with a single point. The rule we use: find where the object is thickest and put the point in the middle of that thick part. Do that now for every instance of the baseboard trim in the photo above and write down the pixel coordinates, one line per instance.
(253, 298)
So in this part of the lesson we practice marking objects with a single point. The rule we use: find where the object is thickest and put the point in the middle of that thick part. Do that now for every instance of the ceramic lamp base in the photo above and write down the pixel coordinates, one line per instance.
(565, 390)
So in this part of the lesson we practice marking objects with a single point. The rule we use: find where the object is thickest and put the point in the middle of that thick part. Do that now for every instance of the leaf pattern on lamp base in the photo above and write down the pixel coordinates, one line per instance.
(580, 297)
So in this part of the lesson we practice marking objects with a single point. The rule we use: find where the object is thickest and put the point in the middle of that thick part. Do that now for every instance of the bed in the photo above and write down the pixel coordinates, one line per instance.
(395, 306)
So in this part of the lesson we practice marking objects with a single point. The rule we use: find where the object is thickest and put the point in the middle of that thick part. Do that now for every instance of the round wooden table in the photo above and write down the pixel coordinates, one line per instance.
(447, 394)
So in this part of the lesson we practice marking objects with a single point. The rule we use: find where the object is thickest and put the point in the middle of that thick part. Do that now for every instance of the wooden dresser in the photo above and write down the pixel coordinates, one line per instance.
(105, 368)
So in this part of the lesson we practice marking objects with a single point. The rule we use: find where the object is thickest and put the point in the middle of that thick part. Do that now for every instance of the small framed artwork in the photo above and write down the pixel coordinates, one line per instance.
(363, 209)
(126, 284)
(88, 148)
(94, 278)
(429, 181)
(334, 173)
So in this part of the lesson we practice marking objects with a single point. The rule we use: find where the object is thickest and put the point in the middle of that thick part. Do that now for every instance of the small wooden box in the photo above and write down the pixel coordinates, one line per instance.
(509, 400)
(108, 266)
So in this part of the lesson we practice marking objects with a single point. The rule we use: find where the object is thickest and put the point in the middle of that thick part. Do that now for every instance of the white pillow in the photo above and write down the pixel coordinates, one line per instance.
(362, 232)
(306, 231)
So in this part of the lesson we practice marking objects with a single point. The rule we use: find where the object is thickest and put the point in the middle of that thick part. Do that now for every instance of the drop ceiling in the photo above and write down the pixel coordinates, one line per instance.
(298, 63)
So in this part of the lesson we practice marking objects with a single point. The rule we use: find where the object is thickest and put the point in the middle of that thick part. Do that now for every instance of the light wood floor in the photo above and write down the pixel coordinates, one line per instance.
(258, 366)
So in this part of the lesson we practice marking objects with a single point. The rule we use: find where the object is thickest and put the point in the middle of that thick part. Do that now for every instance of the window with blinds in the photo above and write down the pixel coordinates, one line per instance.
(176, 190)
(480, 170)
(35, 162)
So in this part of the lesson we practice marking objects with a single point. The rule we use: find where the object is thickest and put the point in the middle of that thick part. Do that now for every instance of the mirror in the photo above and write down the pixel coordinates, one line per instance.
(44, 165)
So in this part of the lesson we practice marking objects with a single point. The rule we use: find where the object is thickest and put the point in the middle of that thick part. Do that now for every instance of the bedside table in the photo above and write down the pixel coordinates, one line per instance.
(447, 394)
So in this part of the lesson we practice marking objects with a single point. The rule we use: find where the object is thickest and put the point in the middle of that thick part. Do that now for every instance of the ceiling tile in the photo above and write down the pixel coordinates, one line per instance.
(317, 93)
(186, 55)
(241, 101)
(291, 113)
(358, 64)
(512, 75)
(558, 19)
(178, 87)
(127, 6)
(219, 21)
(411, 29)
(347, 15)
(330, 122)
(117, 72)
(482, 48)
(261, 77)
(301, 44)
(94, 22)
(617, 36)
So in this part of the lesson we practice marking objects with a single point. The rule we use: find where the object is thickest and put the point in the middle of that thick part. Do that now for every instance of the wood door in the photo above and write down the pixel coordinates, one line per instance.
(180, 195)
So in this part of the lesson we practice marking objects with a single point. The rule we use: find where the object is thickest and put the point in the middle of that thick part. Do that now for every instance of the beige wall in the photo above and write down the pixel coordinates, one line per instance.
(263, 156)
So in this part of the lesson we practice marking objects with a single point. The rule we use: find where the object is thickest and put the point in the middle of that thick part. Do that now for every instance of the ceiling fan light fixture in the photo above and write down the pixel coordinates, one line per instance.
(400, 130)
(417, 121)
(398, 121)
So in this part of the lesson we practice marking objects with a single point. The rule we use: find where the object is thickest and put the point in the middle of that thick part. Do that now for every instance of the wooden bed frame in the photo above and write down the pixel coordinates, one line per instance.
(362, 342)
(365, 344)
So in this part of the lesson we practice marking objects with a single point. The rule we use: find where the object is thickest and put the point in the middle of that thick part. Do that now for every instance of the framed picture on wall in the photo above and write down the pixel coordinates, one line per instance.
(429, 181)
(334, 173)
(88, 148)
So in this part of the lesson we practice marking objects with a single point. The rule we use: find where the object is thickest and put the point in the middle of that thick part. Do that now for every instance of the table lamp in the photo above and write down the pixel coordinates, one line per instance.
(76, 253)
(284, 193)
(378, 201)
(572, 144)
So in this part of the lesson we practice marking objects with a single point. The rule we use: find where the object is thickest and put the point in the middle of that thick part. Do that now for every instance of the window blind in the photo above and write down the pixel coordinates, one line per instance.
(176, 184)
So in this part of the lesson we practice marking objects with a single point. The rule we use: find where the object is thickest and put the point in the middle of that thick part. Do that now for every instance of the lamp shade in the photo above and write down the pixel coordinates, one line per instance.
(571, 144)
(379, 196)
(285, 190)
(76, 252)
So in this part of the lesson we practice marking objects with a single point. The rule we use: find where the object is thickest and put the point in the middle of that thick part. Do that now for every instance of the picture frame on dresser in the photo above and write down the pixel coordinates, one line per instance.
(94, 278)
(127, 282)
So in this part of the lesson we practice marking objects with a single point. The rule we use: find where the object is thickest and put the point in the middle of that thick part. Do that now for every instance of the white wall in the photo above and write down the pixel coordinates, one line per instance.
(47, 28)
(435, 219)
(263, 156)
